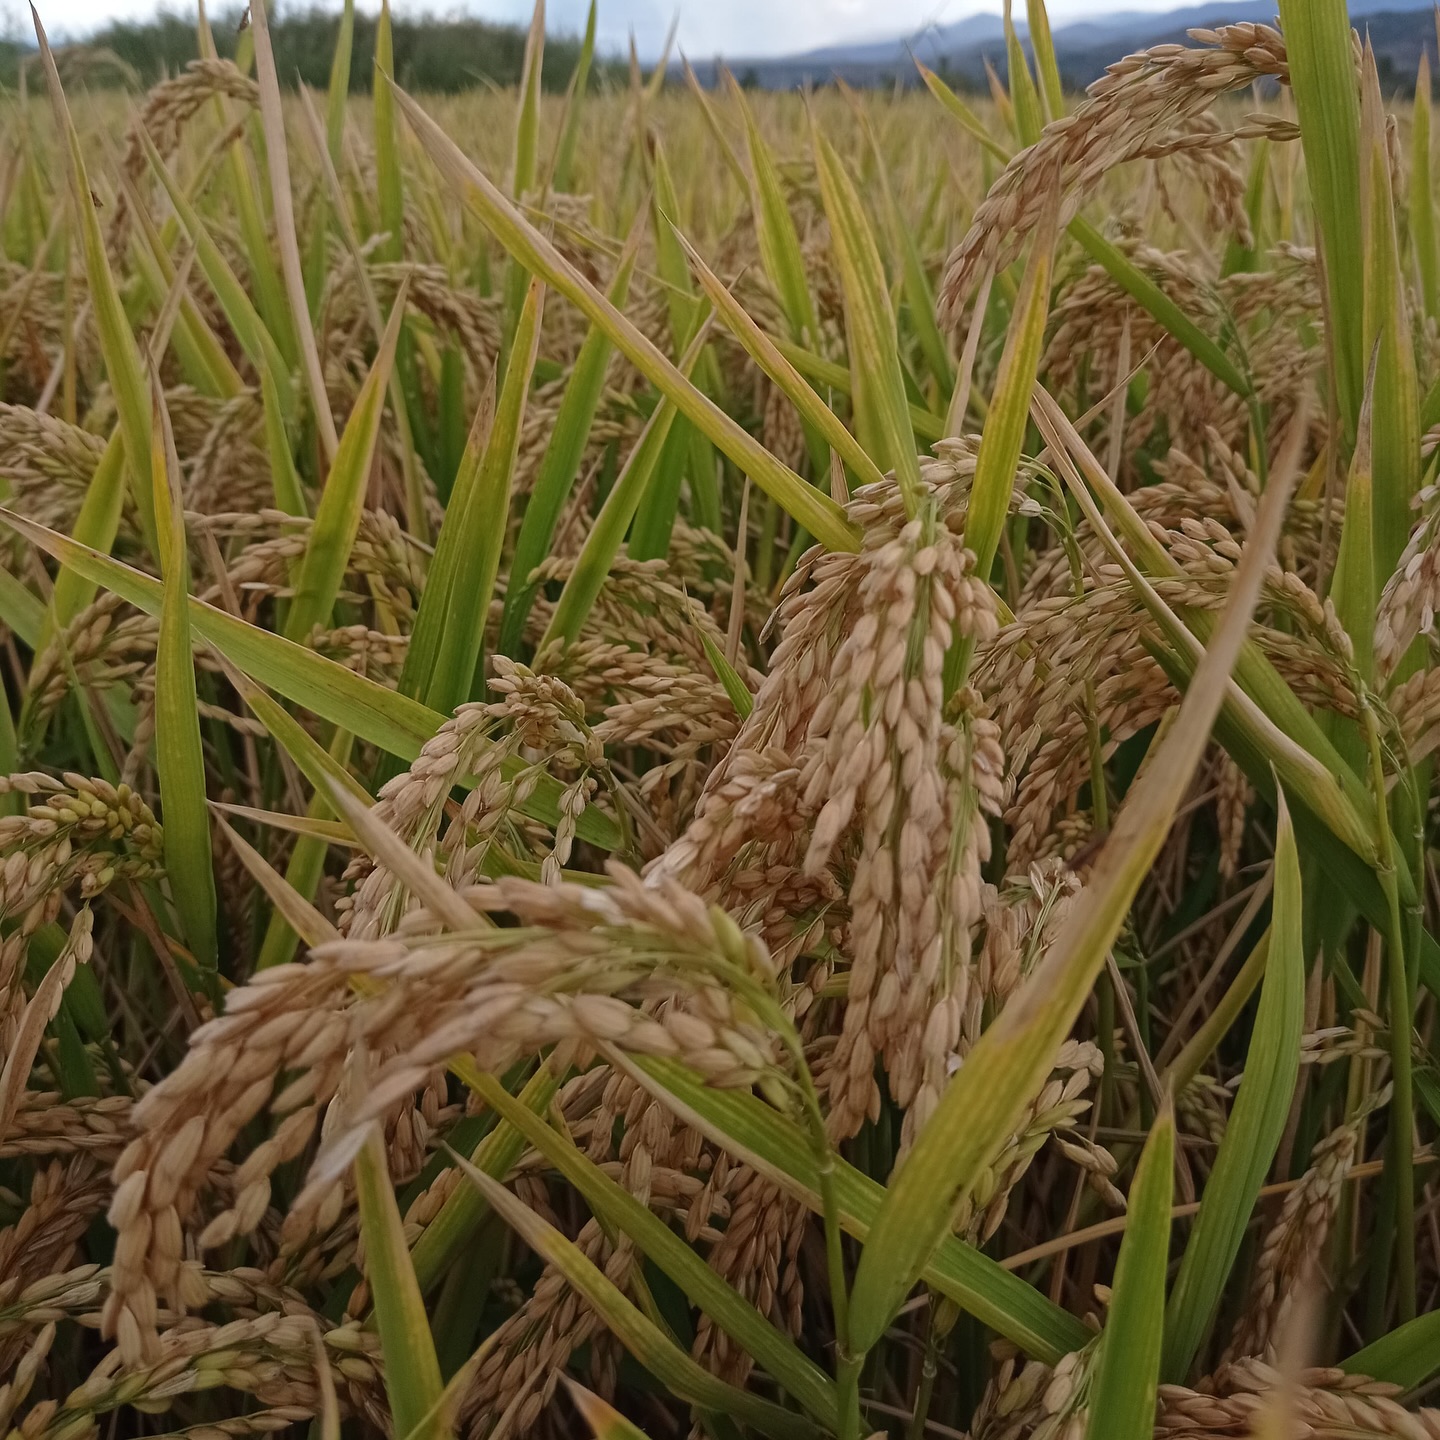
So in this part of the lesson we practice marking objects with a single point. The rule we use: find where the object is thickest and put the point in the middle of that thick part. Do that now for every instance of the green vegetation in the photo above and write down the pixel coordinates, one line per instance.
(708, 760)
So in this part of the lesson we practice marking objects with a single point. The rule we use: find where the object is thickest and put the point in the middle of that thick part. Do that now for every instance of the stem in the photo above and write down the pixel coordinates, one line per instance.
(847, 1365)
(1400, 1159)
(942, 1320)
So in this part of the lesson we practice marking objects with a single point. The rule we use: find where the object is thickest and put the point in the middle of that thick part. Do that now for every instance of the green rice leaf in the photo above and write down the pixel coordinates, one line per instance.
(95, 527)
(337, 517)
(592, 566)
(250, 330)
(394, 722)
(562, 172)
(561, 464)
(272, 118)
(123, 363)
(815, 511)
(878, 383)
(1395, 397)
(523, 166)
(1004, 433)
(775, 228)
(769, 357)
(1024, 98)
(1122, 1394)
(1046, 67)
(640, 1335)
(1353, 587)
(477, 511)
(962, 112)
(1408, 1356)
(20, 611)
(1322, 78)
(388, 169)
(179, 756)
(1424, 238)
(338, 92)
(1257, 1121)
(444, 1239)
(735, 688)
(751, 1131)
(775, 1352)
(412, 1372)
(1008, 1064)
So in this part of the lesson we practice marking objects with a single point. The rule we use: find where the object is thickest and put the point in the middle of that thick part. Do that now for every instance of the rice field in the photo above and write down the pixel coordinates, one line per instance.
(721, 764)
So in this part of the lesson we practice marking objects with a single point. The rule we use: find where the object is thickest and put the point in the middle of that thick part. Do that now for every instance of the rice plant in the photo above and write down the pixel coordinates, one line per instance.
(726, 764)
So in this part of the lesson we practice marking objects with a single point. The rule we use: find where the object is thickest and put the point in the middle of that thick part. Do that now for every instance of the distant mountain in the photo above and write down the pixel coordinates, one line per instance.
(1399, 30)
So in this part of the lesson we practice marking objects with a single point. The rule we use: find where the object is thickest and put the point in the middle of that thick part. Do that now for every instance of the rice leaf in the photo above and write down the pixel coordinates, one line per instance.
(1006, 1067)
(751, 1131)
(769, 357)
(523, 165)
(775, 1352)
(712, 123)
(1395, 398)
(1004, 433)
(561, 464)
(915, 283)
(20, 611)
(961, 111)
(1148, 295)
(1024, 98)
(337, 517)
(179, 755)
(592, 566)
(1046, 67)
(306, 866)
(95, 527)
(1310, 764)
(1322, 78)
(250, 330)
(289, 493)
(563, 170)
(292, 910)
(816, 512)
(735, 688)
(412, 1372)
(123, 364)
(1408, 1356)
(196, 345)
(1122, 1395)
(388, 169)
(272, 118)
(446, 565)
(605, 1422)
(878, 382)
(1424, 238)
(640, 1335)
(1257, 1121)
(775, 227)
(1353, 587)
(926, 424)
(445, 1237)
(394, 722)
(479, 517)
(338, 92)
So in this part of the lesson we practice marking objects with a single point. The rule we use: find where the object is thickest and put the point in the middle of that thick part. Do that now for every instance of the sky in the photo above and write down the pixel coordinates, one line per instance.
(734, 28)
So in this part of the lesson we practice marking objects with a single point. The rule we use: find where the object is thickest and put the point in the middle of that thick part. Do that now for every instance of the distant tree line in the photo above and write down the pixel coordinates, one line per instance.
(431, 54)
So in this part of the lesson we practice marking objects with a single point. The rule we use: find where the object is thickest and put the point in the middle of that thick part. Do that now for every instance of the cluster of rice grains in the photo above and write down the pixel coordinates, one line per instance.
(787, 823)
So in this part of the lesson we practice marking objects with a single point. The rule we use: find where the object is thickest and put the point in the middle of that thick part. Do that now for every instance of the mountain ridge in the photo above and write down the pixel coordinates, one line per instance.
(1399, 29)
